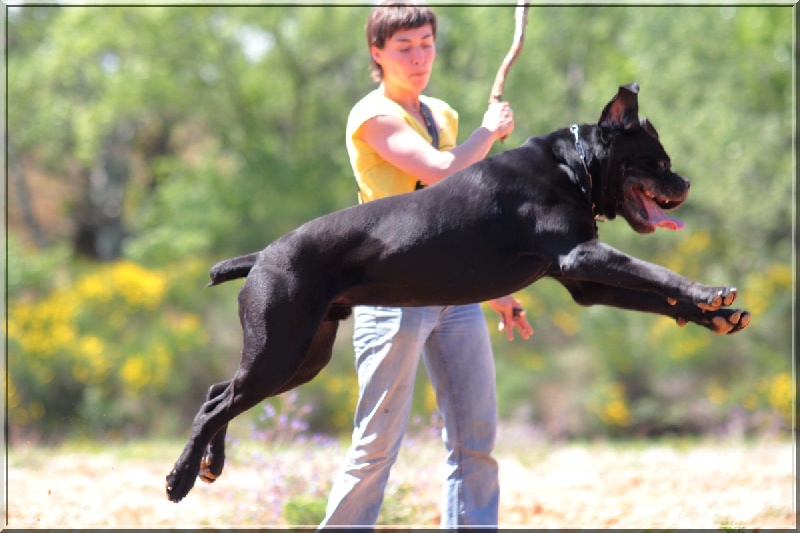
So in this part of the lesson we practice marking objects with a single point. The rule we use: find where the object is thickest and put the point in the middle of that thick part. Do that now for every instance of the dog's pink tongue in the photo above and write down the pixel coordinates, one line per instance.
(661, 219)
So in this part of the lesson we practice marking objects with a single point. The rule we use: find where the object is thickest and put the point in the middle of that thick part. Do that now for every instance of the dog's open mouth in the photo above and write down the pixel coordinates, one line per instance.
(654, 209)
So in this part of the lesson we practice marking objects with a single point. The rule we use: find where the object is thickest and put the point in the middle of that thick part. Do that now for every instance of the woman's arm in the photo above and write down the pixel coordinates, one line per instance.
(404, 148)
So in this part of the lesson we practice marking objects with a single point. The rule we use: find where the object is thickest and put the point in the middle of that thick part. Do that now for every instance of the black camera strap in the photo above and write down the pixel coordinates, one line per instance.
(430, 125)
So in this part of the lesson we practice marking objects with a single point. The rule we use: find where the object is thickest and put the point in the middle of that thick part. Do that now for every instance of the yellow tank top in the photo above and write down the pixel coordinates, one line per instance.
(376, 177)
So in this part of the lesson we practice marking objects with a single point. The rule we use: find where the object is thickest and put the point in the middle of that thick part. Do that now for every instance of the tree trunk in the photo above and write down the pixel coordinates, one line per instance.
(99, 225)
(22, 198)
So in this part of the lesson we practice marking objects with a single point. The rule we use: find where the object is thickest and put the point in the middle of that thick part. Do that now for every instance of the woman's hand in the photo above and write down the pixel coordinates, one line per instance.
(511, 315)
(499, 120)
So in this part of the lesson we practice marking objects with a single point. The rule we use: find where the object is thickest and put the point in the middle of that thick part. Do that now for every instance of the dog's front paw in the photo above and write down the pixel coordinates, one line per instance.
(179, 482)
(721, 321)
(737, 320)
(720, 297)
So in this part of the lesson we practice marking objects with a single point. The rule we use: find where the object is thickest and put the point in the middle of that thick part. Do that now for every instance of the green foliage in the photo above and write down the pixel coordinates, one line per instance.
(79, 362)
(305, 510)
(237, 117)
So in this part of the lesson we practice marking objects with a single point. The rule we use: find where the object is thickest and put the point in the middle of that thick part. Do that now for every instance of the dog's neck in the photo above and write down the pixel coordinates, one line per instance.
(585, 182)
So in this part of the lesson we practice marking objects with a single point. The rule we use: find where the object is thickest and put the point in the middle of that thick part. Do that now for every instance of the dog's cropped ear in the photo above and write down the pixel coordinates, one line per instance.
(623, 110)
(648, 127)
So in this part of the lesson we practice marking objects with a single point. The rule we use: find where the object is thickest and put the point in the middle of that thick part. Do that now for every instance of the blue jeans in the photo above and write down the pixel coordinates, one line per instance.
(454, 344)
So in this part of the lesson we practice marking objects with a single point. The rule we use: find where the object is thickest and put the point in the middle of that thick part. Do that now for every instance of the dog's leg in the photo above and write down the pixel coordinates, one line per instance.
(319, 354)
(318, 357)
(243, 392)
(214, 459)
(720, 321)
(598, 262)
(278, 328)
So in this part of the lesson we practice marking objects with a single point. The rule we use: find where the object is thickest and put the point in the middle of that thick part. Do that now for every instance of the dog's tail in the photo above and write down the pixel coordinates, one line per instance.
(236, 267)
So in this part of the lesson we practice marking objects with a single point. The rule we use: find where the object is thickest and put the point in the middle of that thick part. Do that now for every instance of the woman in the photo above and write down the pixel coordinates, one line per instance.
(400, 140)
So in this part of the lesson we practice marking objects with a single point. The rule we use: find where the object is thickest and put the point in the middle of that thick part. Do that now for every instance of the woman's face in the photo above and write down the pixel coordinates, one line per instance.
(407, 58)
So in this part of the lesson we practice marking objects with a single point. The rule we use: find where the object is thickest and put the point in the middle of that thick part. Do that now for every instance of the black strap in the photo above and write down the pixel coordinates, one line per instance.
(430, 125)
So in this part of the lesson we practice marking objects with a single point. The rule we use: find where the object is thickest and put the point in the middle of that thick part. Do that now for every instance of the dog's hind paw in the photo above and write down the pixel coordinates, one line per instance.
(208, 473)
(179, 484)
(211, 464)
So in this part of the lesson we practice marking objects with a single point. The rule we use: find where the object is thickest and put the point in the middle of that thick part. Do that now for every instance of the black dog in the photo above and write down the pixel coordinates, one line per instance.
(489, 230)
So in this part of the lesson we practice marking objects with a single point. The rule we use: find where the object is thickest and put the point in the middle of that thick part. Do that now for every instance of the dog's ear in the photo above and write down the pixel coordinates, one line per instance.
(623, 110)
(648, 127)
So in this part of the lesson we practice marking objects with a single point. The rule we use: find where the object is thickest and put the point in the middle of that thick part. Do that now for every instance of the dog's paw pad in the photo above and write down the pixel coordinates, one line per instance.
(206, 476)
(742, 320)
(721, 325)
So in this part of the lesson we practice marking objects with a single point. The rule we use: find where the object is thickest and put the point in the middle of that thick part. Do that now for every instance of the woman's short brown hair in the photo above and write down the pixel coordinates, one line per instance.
(389, 17)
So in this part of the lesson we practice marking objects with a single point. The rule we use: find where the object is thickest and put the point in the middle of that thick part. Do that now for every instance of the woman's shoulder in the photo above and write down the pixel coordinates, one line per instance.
(375, 102)
(438, 105)
(372, 105)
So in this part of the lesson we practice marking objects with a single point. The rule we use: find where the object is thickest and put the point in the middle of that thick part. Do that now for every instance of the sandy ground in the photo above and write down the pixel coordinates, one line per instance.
(702, 485)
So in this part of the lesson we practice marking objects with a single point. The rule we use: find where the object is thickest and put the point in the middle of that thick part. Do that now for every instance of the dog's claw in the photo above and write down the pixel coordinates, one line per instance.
(730, 297)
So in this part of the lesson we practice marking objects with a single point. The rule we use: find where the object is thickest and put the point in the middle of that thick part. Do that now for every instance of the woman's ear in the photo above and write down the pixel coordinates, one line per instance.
(375, 52)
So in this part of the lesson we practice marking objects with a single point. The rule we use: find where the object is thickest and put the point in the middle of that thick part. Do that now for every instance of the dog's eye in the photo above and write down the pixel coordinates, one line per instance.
(664, 164)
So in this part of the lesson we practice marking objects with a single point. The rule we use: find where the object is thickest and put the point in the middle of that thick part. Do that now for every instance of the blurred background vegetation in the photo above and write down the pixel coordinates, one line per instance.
(146, 143)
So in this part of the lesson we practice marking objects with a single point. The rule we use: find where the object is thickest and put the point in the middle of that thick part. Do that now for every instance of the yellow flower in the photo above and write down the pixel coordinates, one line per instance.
(162, 366)
(133, 373)
(689, 247)
(566, 322)
(93, 288)
(750, 401)
(762, 286)
(615, 411)
(92, 365)
(716, 394)
(430, 399)
(137, 285)
(781, 394)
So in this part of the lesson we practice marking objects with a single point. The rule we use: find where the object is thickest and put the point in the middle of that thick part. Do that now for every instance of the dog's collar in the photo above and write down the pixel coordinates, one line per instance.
(582, 154)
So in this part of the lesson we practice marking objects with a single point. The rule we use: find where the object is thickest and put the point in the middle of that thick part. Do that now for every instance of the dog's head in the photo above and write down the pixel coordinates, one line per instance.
(639, 183)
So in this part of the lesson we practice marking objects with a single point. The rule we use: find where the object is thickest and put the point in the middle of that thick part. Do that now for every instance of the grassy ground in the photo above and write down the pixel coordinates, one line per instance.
(679, 484)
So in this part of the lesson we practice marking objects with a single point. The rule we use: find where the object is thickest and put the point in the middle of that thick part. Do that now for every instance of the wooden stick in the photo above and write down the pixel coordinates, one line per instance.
(521, 16)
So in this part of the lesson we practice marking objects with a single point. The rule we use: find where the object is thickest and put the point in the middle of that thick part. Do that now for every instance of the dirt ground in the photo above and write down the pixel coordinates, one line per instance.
(699, 485)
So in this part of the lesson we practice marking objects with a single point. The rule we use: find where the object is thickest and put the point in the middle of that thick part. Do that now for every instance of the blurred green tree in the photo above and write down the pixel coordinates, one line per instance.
(193, 133)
